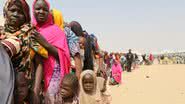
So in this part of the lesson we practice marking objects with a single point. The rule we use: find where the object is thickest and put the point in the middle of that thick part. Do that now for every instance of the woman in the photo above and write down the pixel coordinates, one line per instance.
(72, 40)
(116, 70)
(58, 62)
(16, 41)
(85, 45)
(7, 78)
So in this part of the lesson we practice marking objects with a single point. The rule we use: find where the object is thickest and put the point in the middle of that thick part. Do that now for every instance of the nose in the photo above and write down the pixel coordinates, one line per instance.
(15, 13)
(41, 11)
(62, 91)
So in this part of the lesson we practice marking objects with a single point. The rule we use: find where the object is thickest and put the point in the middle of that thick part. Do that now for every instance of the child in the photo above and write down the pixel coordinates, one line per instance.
(69, 90)
(89, 88)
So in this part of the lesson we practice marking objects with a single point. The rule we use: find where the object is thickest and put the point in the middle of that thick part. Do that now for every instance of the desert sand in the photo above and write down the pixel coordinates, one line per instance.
(155, 84)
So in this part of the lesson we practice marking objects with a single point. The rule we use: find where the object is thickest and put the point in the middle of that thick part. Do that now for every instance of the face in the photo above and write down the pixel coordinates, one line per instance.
(15, 16)
(82, 42)
(66, 90)
(41, 11)
(88, 83)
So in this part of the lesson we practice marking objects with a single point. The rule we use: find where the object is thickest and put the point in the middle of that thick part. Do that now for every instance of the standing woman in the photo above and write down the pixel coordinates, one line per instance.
(54, 40)
(85, 46)
(72, 40)
(15, 40)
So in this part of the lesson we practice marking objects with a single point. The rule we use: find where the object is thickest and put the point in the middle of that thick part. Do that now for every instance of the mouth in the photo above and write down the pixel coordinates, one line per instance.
(88, 88)
(41, 17)
(14, 19)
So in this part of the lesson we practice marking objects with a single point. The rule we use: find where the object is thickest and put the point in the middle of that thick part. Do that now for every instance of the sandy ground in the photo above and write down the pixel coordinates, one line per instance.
(156, 84)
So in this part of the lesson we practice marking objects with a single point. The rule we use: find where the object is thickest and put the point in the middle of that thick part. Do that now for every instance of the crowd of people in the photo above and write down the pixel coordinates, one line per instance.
(172, 58)
(45, 60)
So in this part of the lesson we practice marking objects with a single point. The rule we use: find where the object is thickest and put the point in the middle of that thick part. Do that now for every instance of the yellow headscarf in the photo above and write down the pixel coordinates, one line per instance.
(58, 18)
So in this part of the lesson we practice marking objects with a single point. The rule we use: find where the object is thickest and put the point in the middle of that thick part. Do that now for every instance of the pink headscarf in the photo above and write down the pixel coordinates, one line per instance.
(55, 36)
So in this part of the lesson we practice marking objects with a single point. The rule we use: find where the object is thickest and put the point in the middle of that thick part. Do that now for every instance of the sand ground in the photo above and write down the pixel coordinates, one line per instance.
(156, 84)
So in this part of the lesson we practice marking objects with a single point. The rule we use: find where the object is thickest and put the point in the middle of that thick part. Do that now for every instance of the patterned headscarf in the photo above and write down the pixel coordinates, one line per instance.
(25, 8)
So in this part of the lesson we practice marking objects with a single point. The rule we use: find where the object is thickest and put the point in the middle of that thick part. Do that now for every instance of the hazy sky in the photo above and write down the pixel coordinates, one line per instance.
(151, 25)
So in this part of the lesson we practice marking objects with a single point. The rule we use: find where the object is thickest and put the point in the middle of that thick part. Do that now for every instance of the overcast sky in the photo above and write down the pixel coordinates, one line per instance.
(151, 25)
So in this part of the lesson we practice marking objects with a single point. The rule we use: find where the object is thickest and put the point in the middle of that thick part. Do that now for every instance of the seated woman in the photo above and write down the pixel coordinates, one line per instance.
(116, 71)
(54, 40)
(7, 78)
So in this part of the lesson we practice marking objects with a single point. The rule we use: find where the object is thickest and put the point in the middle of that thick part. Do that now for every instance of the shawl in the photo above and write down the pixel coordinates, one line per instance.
(58, 18)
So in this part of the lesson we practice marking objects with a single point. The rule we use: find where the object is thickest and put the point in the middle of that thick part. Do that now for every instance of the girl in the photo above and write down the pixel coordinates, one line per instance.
(89, 88)
(69, 90)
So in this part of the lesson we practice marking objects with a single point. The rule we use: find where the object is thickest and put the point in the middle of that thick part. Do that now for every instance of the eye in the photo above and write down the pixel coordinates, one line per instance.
(37, 8)
(45, 9)
(12, 9)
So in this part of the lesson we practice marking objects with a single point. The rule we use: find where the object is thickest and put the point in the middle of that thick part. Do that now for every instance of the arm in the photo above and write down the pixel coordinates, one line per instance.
(51, 49)
(78, 65)
(41, 40)
(38, 74)
(38, 79)
(11, 45)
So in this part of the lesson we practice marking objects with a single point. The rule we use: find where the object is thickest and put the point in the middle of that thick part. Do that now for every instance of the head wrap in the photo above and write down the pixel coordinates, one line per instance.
(58, 18)
(24, 7)
(85, 98)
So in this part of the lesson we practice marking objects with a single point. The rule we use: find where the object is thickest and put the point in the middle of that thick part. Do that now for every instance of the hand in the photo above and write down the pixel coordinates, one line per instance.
(38, 37)
(47, 99)
(104, 89)
(36, 97)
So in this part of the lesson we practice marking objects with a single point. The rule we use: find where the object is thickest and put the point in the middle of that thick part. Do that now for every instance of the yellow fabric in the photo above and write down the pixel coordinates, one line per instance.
(58, 18)
(41, 51)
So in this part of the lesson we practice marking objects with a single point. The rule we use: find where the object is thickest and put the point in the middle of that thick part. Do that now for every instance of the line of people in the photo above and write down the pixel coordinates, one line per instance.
(47, 61)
